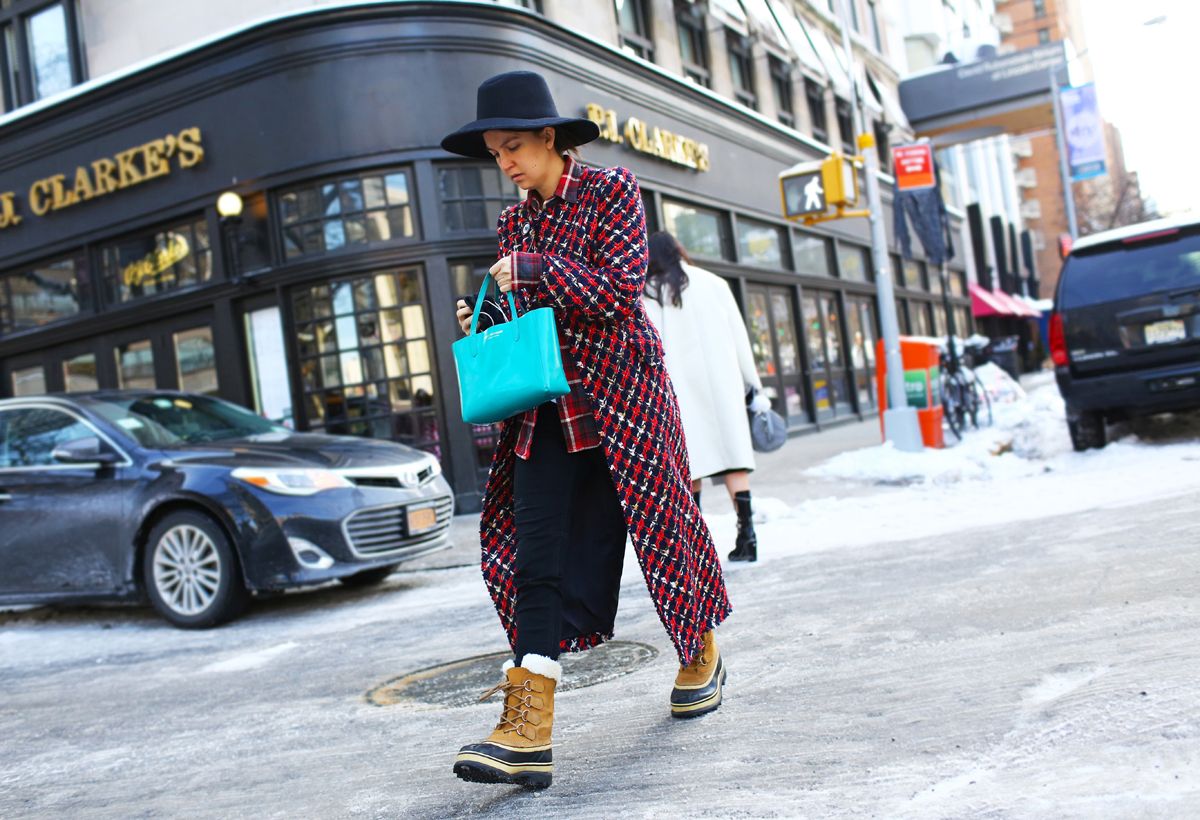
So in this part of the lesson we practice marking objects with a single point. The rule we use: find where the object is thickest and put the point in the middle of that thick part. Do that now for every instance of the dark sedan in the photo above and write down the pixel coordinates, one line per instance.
(196, 503)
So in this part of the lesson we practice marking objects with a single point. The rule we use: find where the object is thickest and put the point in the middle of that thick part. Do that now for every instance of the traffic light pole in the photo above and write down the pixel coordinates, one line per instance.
(900, 423)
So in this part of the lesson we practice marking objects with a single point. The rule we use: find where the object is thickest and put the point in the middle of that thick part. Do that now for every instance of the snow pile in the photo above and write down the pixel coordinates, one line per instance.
(1027, 430)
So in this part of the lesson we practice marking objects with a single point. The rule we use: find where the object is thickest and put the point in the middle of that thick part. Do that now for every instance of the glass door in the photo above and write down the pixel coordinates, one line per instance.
(771, 324)
(831, 385)
(861, 317)
(268, 364)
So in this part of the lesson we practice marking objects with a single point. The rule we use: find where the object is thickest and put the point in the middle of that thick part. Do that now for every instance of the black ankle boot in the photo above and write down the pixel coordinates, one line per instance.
(696, 495)
(746, 546)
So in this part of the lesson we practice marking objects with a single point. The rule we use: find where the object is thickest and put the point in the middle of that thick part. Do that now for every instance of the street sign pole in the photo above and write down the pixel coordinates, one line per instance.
(900, 423)
(1063, 171)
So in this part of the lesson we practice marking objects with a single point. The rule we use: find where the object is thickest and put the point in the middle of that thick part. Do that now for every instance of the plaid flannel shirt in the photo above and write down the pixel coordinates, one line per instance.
(580, 430)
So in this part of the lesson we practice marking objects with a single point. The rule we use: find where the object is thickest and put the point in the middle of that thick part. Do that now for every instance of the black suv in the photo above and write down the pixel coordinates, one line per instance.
(1125, 332)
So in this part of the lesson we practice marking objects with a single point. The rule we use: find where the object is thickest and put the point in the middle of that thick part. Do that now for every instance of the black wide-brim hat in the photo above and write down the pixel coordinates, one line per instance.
(516, 101)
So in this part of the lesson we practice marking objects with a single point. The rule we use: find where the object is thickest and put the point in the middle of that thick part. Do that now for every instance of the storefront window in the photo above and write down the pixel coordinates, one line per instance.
(44, 294)
(852, 261)
(935, 280)
(365, 360)
(79, 374)
(347, 212)
(812, 255)
(135, 365)
(196, 361)
(914, 274)
(958, 283)
(473, 195)
(759, 244)
(160, 261)
(29, 381)
(702, 231)
(918, 313)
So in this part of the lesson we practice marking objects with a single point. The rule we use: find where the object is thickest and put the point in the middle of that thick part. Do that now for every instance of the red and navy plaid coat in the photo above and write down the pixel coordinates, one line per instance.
(592, 254)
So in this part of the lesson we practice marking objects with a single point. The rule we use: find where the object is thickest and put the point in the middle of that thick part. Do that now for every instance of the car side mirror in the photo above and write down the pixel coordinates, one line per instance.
(86, 450)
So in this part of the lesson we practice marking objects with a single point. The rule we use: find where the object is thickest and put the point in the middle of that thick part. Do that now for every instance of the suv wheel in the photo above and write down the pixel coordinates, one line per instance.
(1088, 432)
(191, 572)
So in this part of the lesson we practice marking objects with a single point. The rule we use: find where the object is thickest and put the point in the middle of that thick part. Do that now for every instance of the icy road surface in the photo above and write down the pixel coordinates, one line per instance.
(1012, 641)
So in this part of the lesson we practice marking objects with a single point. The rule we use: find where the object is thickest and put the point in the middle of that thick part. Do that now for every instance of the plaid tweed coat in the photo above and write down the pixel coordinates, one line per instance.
(593, 258)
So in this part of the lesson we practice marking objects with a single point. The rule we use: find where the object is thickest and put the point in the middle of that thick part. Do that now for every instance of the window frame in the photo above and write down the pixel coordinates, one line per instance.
(689, 22)
(814, 94)
(281, 226)
(21, 92)
(461, 201)
(740, 51)
(781, 83)
(844, 114)
(640, 42)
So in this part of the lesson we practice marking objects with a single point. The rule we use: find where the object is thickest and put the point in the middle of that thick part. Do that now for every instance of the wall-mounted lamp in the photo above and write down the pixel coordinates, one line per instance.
(229, 207)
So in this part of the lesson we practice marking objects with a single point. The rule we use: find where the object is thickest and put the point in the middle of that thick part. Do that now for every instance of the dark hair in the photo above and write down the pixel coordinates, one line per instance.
(666, 269)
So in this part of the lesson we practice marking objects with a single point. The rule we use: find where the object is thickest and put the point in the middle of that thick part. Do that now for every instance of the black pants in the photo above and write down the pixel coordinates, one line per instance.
(570, 541)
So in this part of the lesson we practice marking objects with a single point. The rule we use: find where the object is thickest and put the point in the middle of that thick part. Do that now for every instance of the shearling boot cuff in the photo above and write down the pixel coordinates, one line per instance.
(540, 665)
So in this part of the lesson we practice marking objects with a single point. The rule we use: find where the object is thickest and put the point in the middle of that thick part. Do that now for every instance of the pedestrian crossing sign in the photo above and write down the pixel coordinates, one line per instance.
(810, 189)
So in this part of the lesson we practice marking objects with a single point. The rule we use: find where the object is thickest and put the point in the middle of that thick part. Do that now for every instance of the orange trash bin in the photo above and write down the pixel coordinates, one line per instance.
(921, 360)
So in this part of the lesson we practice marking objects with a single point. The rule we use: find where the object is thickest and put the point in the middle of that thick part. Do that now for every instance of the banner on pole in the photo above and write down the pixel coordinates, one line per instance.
(913, 165)
(1084, 132)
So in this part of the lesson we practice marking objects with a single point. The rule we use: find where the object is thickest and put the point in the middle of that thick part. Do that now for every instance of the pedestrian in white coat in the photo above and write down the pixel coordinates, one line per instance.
(712, 368)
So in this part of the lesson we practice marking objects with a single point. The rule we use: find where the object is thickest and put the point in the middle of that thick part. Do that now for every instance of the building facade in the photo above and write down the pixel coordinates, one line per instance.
(328, 305)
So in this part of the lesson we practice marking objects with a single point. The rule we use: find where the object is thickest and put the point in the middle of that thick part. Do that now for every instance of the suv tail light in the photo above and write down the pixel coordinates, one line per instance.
(1058, 341)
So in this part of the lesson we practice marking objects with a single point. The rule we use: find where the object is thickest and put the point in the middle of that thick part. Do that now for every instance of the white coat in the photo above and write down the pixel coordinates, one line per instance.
(710, 363)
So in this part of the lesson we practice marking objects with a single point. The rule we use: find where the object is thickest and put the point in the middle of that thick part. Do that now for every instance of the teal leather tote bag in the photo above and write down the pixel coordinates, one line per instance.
(510, 367)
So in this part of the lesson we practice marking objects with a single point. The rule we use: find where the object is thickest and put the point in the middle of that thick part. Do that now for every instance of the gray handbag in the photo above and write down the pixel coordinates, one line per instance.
(768, 431)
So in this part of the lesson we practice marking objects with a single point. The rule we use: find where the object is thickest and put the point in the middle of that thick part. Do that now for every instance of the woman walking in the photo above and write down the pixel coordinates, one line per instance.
(573, 478)
(712, 368)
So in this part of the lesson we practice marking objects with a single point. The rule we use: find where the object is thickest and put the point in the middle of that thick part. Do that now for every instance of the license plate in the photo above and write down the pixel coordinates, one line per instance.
(1171, 330)
(421, 519)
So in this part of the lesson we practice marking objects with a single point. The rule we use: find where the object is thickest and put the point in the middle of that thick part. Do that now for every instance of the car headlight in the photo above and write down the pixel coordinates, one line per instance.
(291, 480)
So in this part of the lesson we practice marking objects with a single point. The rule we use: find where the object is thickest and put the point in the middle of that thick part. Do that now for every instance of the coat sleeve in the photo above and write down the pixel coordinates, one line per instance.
(741, 341)
(610, 286)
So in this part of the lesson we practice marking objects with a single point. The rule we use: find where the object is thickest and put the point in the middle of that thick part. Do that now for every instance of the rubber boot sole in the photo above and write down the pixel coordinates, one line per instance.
(474, 771)
(710, 704)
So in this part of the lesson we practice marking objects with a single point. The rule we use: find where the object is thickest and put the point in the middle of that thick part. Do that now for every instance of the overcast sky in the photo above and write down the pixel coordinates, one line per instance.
(1146, 79)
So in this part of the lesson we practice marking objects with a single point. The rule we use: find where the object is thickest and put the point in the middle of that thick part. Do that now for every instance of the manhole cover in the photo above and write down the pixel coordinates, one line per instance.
(460, 683)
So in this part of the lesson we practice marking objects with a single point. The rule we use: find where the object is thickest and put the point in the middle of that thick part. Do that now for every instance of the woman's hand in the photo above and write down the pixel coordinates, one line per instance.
(464, 316)
(502, 271)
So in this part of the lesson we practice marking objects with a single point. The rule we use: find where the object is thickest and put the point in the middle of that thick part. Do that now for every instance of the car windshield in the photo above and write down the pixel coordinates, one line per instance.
(166, 419)
(1124, 271)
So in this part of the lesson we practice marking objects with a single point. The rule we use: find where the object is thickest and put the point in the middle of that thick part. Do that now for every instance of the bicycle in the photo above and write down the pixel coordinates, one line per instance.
(964, 396)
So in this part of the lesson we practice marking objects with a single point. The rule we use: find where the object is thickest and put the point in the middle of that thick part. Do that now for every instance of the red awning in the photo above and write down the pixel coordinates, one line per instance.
(1018, 306)
(985, 303)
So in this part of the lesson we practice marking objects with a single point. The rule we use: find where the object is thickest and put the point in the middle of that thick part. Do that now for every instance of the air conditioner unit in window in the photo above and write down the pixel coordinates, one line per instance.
(1031, 209)
(1022, 147)
(1026, 178)
(1003, 23)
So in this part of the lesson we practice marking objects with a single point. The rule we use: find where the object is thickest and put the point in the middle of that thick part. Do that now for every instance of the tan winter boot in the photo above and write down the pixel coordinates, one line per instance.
(698, 686)
(518, 750)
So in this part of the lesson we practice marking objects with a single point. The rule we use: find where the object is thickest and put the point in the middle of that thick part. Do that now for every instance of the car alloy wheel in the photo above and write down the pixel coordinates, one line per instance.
(187, 570)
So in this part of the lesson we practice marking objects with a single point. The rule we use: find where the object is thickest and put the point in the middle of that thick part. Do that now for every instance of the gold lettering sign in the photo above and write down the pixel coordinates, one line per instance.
(151, 267)
(658, 142)
(106, 175)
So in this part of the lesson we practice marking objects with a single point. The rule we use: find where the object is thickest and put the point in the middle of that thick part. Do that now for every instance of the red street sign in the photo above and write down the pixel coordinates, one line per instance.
(913, 165)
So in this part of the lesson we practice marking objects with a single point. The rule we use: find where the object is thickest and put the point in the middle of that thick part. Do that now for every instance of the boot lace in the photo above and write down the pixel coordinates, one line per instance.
(513, 718)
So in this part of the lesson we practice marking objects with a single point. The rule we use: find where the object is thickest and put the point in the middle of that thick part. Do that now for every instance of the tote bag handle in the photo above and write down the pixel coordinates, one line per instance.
(512, 304)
